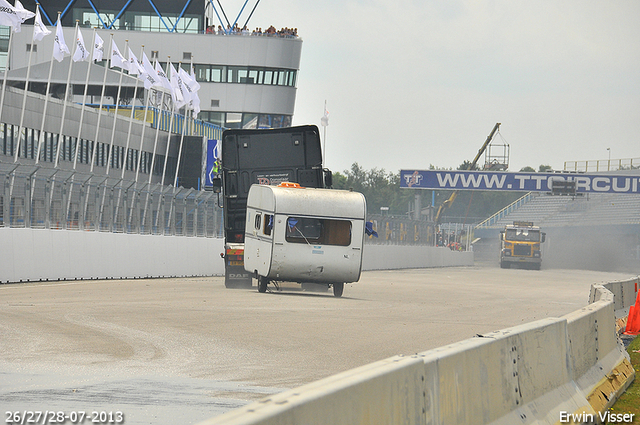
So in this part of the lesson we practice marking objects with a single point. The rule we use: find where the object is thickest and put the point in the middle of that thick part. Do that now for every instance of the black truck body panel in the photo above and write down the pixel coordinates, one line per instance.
(270, 156)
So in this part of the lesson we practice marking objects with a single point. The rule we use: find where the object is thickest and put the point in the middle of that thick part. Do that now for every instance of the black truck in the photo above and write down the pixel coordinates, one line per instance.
(264, 156)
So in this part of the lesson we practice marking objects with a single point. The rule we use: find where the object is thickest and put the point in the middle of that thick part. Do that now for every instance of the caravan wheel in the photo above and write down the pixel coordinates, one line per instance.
(337, 289)
(262, 284)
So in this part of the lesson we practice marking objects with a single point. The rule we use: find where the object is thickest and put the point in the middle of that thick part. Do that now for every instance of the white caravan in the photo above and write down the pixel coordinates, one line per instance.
(304, 235)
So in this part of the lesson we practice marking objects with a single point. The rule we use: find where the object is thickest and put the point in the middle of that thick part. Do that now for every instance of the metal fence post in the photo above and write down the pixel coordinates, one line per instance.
(5, 202)
(81, 202)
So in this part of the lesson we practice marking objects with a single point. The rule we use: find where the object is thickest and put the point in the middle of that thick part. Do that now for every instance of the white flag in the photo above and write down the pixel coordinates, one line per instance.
(187, 91)
(59, 46)
(116, 57)
(191, 87)
(23, 13)
(81, 54)
(9, 16)
(40, 31)
(98, 49)
(193, 78)
(151, 76)
(164, 81)
(134, 66)
(177, 88)
(196, 98)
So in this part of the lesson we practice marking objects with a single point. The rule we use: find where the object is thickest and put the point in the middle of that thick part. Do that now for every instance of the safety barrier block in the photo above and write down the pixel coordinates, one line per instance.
(516, 375)
(600, 364)
(536, 373)
(386, 392)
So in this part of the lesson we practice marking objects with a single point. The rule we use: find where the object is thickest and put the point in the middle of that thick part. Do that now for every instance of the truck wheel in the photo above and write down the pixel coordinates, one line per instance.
(504, 265)
(262, 284)
(337, 289)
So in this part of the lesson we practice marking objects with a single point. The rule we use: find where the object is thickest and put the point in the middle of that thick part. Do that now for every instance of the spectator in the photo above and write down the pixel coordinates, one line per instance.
(271, 31)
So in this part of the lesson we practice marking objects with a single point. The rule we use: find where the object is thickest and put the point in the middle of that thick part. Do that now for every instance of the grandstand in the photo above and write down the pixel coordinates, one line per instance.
(547, 210)
(594, 231)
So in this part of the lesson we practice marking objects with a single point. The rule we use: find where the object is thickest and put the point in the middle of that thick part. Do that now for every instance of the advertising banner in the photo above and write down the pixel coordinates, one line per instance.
(212, 164)
(527, 182)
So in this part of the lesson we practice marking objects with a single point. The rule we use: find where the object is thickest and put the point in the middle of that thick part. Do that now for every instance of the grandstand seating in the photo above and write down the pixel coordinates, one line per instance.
(560, 211)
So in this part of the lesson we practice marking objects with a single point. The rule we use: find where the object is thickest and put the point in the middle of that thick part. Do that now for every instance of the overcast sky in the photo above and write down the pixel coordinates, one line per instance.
(409, 83)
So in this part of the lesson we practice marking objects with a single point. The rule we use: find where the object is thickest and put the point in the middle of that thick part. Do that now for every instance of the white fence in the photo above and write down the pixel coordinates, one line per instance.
(28, 254)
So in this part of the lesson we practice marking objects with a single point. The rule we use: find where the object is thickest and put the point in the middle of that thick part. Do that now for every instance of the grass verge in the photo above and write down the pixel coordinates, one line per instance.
(629, 402)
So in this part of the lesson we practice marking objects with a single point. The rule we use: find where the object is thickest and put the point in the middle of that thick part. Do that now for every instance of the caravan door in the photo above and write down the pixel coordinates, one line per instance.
(258, 242)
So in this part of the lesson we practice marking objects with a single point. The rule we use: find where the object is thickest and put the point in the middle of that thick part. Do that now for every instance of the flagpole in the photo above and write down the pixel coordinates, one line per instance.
(173, 108)
(184, 124)
(6, 66)
(83, 107)
(104, 83)
(24, 102)
(132, 116)
(144, 125)
(79, 45)
(6, 72)
(165, 84)
(115, 115)
(84, 99)
(166, 155)
(113, 135)
(155, 143)
(46, 103)
(64, 104)
(153, 155)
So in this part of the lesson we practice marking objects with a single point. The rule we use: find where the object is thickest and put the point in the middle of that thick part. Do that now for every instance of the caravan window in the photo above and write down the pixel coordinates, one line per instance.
(268, 224)
(258, 220)
(318, 231)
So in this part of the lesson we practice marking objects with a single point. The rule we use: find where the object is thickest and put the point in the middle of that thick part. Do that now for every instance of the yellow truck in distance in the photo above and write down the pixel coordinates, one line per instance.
(520, 244)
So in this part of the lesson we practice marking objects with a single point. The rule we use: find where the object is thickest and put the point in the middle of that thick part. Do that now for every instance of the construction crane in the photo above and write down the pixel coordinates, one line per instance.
(446, 204)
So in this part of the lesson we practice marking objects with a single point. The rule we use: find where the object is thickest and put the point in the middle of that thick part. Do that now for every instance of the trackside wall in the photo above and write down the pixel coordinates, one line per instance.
(44, 254)
(389, 257)
(529, 374)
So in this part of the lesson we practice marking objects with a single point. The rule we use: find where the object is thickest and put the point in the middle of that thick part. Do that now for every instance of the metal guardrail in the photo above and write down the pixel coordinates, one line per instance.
(47, 198)
(506, 210)
(62, 199)
(603, 165)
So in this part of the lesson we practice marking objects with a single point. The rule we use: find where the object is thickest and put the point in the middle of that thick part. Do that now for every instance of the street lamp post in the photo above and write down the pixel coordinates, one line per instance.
(609, 161)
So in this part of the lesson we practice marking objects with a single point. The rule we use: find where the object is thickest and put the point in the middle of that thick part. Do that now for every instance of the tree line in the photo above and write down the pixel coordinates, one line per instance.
(382, 189)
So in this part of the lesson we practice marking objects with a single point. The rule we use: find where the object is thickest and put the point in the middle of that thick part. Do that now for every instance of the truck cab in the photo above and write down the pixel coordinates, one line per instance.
(263, 157)
(521, 245)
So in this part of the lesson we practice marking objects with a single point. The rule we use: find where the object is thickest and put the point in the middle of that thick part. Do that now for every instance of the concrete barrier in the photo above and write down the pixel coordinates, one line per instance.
(44, 254)
(555, 370)
(599, 369)
(624, 292)
(391, 257)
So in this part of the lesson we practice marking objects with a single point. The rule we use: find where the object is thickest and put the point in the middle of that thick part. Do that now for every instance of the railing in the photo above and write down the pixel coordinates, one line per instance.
(165, 120)
(506, 211)
(603, 165)
(46, 198)
(63, 199)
